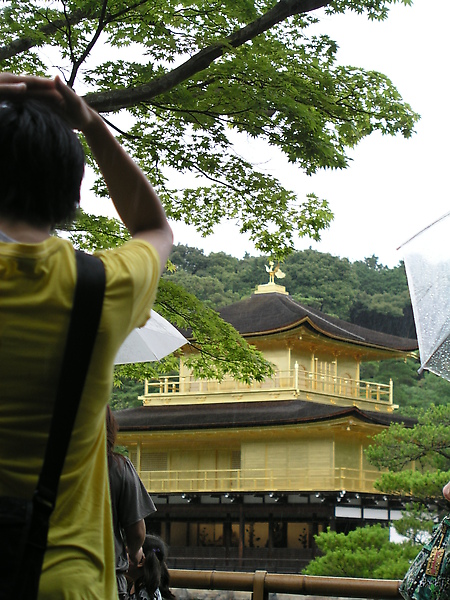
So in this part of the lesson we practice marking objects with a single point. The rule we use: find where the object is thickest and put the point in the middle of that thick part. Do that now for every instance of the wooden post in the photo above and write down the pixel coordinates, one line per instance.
(138, 458)
(259, 591)
(241, 534)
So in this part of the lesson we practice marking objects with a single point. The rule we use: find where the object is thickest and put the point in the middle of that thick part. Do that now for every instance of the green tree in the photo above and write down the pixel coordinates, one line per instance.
(190, 260)
(238, 277)
(180, 81)
(212, 279)
(127, 394)
(412, 392)
(418, 461)
(363, 292)
(430, 389)
(427, 444)
(321, 280)
(365, 552)
(222, 350)
(382, 301)
(197, 72)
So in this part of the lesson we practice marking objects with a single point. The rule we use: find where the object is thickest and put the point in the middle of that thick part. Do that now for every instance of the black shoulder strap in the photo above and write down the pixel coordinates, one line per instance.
(85, 318)
(84, 321)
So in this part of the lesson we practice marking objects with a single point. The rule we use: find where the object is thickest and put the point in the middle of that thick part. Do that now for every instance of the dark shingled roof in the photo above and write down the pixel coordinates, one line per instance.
(243, 414)
(265, 314)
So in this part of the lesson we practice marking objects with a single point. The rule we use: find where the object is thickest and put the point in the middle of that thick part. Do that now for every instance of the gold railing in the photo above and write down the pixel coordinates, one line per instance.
(259, 480)
(262, 583)
(294, 379)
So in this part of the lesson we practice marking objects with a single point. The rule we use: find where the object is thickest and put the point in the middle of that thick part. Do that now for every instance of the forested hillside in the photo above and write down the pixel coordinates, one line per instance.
(366, 293)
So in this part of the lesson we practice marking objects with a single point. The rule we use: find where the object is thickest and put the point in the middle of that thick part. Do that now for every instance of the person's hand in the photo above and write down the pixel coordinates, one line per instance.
(20, 86)
(136, 563)
(52, 92)
(73, 108)
(446, 491)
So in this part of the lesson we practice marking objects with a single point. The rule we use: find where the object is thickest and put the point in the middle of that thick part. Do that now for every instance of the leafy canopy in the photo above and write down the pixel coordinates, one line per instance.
(373, 297)
(222, 351)
(418, 461)
(427, 443)
(181, 82)
(194, 75)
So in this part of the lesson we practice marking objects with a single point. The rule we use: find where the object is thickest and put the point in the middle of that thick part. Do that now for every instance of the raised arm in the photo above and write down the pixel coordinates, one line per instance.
(133, 196)
(135, 199)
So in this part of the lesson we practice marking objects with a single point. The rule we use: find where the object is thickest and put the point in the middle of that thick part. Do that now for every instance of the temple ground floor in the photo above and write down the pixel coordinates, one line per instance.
(247, 532)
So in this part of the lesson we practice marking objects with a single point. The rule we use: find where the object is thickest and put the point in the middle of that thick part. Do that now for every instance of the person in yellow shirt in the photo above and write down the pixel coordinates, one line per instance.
(41, 168)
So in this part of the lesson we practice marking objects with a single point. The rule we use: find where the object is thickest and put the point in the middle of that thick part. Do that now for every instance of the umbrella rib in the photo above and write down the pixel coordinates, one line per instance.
(424, 229)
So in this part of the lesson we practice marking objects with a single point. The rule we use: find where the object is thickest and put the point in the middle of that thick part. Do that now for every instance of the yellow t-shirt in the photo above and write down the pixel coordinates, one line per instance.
(36, 291)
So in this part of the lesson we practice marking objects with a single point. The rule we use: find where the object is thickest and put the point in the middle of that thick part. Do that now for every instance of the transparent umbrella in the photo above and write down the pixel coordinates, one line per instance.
(427, 263)
(152, 342)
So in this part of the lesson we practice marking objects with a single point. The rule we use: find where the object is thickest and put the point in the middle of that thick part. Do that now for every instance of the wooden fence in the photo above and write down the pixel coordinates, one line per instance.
(261, 583)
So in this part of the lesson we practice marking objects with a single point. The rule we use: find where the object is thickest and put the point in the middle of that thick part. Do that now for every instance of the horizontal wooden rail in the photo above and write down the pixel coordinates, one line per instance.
(261, 583)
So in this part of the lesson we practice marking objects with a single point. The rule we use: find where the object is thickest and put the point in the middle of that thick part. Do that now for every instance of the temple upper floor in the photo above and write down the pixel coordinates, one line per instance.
(315, 357)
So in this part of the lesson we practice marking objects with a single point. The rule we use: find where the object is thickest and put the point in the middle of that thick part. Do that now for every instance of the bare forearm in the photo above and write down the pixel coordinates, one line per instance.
(132, 194)
(135, 535)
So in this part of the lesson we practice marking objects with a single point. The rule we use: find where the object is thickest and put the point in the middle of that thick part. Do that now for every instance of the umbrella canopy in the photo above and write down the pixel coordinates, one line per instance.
(427, 264)
(155, 340)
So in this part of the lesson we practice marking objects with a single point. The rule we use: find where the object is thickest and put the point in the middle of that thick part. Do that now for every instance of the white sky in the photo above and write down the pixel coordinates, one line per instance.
(393, 187)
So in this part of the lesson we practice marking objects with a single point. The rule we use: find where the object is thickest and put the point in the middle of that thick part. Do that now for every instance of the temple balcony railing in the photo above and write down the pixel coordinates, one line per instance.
(188, 481)
(294, 383)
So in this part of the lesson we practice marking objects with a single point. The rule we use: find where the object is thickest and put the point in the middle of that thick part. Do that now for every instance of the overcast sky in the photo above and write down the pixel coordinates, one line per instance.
(393, 187)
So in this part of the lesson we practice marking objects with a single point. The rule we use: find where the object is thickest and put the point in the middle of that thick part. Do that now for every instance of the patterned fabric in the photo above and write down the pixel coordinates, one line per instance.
(142, 594)
(428, 577)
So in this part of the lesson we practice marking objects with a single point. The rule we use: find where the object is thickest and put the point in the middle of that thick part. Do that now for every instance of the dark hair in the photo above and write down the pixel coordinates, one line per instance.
(111, 430)
(156, 574)
(111, 433)
(41, 164)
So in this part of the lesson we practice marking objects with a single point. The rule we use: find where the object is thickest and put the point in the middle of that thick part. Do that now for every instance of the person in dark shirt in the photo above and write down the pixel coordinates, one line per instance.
(131, 503)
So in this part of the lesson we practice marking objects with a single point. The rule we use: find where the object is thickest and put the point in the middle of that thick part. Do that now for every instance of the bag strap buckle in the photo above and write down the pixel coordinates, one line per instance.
(43, 501)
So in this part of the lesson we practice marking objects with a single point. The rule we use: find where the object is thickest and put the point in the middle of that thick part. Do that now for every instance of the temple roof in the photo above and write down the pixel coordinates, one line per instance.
(243, 414)
(265, 314)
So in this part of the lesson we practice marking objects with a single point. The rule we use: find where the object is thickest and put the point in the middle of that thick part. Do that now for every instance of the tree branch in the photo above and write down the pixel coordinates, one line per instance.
(77, 63)
(117, 99)
(23, 44)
